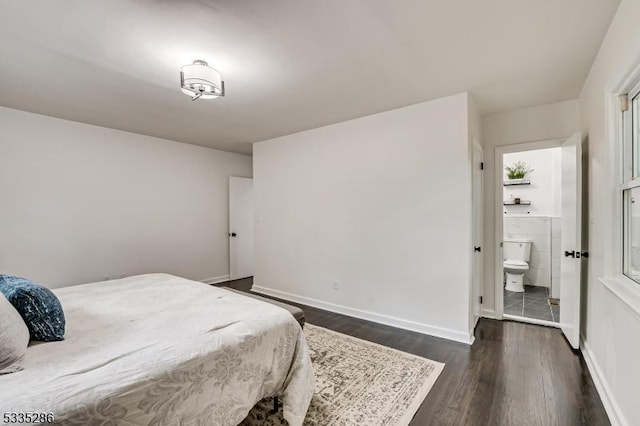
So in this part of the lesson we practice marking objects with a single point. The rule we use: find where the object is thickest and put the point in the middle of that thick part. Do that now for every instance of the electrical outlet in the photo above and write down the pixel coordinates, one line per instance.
(336, 285)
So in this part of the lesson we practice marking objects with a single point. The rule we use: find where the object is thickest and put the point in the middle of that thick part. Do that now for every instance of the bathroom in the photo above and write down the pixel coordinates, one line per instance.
(532, 235)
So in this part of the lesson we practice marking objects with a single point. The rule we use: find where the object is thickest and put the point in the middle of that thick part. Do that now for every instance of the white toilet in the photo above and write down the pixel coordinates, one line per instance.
(517, 253)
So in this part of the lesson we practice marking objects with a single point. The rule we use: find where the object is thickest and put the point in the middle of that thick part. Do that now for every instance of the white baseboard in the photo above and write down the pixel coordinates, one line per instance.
(608, 400)
(216, 280)
(431, 330)
(489, 313)
(528, 320)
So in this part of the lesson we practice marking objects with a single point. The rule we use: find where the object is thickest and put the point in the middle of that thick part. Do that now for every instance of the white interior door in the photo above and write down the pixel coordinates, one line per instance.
(240, 227)
(571, 238)
(478, 227)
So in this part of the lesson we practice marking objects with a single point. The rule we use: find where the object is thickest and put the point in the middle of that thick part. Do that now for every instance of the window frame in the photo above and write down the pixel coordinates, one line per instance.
(630, 171)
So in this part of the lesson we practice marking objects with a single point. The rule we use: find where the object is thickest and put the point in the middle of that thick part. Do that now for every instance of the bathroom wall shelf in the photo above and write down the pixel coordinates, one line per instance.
(514, 183)
(513, 203)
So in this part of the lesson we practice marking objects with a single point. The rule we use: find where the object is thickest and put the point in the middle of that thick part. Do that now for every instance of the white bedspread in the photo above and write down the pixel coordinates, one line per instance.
(161, 350)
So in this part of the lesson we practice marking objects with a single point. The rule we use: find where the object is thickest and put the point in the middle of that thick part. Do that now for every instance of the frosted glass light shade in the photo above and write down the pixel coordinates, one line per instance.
(199, 80)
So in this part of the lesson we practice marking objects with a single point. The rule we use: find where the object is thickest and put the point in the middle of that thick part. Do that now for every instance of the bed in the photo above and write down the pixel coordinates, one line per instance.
(162, 350)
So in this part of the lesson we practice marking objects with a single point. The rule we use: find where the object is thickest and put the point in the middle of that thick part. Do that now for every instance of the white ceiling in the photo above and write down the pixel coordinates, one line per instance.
(288, 65)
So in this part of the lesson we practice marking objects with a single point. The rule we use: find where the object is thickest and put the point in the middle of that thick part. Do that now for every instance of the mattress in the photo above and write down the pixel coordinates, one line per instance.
(162, 350)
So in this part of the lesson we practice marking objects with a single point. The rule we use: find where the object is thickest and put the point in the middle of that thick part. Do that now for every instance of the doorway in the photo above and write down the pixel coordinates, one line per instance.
(538, 226)
(531, 233)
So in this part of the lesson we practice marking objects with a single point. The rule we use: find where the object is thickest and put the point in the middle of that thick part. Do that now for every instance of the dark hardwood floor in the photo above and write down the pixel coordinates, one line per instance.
(514, 374)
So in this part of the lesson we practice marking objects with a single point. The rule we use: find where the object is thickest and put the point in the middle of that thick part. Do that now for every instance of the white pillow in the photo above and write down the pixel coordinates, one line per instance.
(14, 337)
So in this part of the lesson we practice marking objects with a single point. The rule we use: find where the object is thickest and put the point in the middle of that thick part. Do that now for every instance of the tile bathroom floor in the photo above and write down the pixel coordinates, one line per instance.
(533, 303)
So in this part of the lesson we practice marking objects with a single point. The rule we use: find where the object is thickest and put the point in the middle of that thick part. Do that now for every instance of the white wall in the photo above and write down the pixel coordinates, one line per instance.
(82, 202)
(611, 327)
(380, 205)
(544, 191)
(539, 123)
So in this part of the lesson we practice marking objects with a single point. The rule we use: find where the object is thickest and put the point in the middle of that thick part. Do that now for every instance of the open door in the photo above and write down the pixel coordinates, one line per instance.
(478, 227)
(571, 239)
(240, 227)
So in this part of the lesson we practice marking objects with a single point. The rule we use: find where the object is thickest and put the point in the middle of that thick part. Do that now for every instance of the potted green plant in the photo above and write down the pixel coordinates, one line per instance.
(517, 171)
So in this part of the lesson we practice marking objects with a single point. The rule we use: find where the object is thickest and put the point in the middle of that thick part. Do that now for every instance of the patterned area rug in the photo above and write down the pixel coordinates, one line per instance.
(358, 383)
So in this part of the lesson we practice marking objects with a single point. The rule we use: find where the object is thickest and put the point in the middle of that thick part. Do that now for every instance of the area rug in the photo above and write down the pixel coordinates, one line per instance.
(358, 383)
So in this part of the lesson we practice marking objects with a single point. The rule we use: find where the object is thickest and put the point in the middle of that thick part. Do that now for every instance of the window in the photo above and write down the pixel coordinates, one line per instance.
(631, 185)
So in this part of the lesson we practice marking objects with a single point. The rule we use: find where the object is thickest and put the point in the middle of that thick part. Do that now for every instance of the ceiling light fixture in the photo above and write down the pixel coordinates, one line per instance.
(199, 80)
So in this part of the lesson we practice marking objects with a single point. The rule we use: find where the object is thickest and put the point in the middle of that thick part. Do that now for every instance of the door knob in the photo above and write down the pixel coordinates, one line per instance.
(233, 234)
(571, 253)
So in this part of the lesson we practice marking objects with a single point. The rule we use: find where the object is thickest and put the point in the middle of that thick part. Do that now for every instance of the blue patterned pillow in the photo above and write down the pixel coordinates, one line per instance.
(38, 306)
